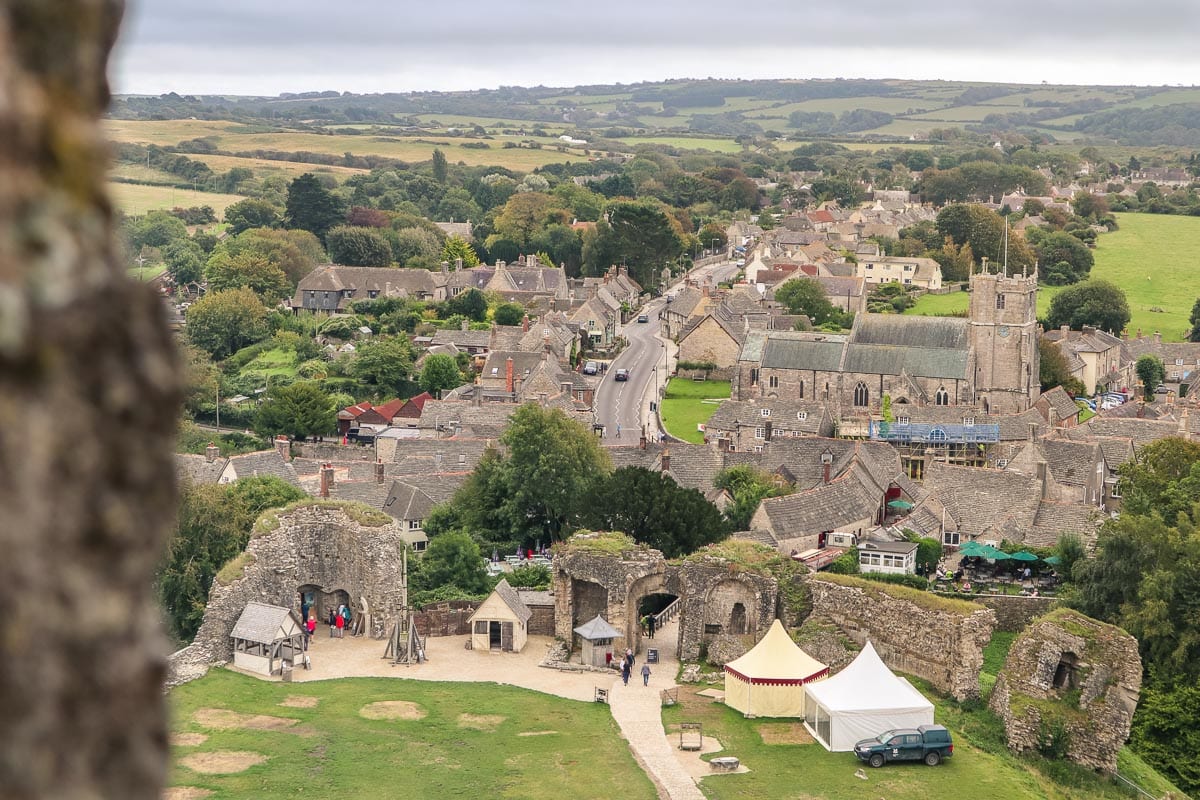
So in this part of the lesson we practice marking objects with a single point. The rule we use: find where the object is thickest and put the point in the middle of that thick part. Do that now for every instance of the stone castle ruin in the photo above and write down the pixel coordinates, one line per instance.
(1070, 684)
(332, 552)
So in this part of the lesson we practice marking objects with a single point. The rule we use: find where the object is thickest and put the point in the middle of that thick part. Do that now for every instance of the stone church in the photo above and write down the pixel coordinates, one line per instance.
(987, 362)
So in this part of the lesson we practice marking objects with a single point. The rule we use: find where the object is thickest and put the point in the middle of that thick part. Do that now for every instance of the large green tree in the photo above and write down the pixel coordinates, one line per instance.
(1053, 369)
(440, 373)
(222, 323)
(655, 510)
(251, 213)
(455, 247)
(384, 366)
(1194, 331)
(1097, 303)
(451, 560)
(806, 296)
(358, 246)
(984, 230)
(1151, 373)
(1064, 258)
(508, 314)
(299, 410)
(251, 270)
(312, 207)
(748, 487)
(645, 238)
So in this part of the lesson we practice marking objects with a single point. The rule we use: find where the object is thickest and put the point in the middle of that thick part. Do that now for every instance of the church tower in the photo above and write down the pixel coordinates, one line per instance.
(1004, 341)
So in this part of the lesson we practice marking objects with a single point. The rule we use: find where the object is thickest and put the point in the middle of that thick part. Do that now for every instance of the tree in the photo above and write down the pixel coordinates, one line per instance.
(806, 296)
(1057, 249)
(645, 238)
(525, 214)
(472, 304)
(440, 373)
(508, 314)
(155, 229)
(748, 487)
(1053, 369)
(1194, 332)
(358, 247)
(1151, 373)
(185, 261)
(847, 193)
(222, 323)
(250, 270)
(251, 213)
(440, 170)
(384, 365)
(984, 230)
(455, 247)
(452, 559)
(1097, 303)
(312, 207)
(295, 252)
(299, 411)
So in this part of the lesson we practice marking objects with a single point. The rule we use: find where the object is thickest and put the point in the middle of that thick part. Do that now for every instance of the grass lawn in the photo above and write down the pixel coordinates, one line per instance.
(468, 744)
(684, 409)
(147, 273)
(272, 362)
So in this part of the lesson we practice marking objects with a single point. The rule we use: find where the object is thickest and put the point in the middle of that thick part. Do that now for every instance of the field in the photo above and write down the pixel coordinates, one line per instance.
(135, 198)
(684, 409)
(468, 744)
(1148, 257)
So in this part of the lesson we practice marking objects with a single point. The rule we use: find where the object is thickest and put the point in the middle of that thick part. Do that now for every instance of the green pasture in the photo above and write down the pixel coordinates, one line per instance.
(271, 363)
(1153, 257)
(469, 743)
(134, 198)
(687, 143)
(684, 406)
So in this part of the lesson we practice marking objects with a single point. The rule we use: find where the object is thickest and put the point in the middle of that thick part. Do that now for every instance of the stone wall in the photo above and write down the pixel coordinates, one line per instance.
(447, 618)
(710, 591)
(1013, 612)
(318, 545)
(541, 623)
(1074, 674)
(922, 636)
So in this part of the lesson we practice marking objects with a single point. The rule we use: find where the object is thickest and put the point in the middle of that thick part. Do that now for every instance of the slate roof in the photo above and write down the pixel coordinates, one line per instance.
(408, 500)
(784, 415)
(1058, 399)
(825, 507)
(694, 466)
(1141, 431)
(782, 351)
(597, 628)
(1055, 519)
(950, 333)
(423, 456)
(984, 501)
(535, 597)
(925, 362)
(1088, 340)
(264, 462)
(1070, 463)
(198, 469)
(361, 281)
(463, 339)
(260, 622)
(511, 599)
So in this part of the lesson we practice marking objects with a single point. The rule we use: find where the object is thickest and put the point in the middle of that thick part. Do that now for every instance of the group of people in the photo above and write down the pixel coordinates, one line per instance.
(627, 669)
(338, 621)
(648, 623)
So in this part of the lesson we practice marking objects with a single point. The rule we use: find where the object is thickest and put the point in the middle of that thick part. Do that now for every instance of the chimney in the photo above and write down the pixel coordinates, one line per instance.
(546, 343)
(542, 399)
(566, 387)
(826, 465)
(326, 479)
(767, 426)
(508, 375)
(477, 395)
(283, 446)
(379, 470)
(465, 325)
(458, 264)
(1033, 431)
(211, 452)
(445, 267)
(1183, 421)
(1065, 329)
(642, 440)
(525, 323)
(1041, 476)
(666, 460)
(1157, 337)
(1139, 333)
(437, 461)
(704, 291)
(1052, 414)
(516, 392)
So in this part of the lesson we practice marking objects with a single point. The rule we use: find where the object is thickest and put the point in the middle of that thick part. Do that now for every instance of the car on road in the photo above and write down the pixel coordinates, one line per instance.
(928, 743)
(643, 317)
(591, 368)
(622, 375)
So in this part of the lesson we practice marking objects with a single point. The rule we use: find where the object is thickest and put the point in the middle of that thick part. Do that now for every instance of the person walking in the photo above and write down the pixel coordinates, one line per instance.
(310, 624)
(645, 674)
(332, 622)
(340, 623)
(626, 667)
(650, 626)
(629, 657)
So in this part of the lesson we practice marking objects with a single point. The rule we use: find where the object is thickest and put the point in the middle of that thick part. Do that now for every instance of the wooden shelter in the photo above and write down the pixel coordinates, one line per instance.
(265, 637)
(597, 637)
(501, 622)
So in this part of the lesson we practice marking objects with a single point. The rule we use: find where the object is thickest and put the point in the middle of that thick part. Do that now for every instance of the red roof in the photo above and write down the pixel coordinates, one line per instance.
(414, 406)
(820, 216)
(357, 410)
(389, 409)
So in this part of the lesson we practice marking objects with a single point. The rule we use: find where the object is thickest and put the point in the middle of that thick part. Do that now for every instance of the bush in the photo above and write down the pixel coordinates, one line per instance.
(1053, 740)
(915, 581)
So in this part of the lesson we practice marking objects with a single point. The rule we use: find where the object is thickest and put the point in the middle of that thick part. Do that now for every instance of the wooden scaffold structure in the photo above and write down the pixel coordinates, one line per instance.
(404, 640)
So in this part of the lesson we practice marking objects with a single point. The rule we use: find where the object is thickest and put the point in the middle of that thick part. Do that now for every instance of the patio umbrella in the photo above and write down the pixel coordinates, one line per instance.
(1023, 555)
(993, 554)
(1053, 561)
(971, 549)
(899, 505)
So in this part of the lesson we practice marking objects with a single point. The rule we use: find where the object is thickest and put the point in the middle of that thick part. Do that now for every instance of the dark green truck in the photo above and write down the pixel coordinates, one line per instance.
(928, 743)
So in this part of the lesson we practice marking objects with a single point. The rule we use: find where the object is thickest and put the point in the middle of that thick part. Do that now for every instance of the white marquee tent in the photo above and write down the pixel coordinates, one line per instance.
(769, 680)
(863, 700)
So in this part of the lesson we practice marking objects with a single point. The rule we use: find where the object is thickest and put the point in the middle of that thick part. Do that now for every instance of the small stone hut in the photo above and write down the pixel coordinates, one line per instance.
(1074, 679)
(266, 637)
(501, 622)
(597, 636)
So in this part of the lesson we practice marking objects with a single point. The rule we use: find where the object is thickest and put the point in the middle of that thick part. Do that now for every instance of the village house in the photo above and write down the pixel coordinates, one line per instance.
(1094, 357)
(1058, 408)
(919, 273)
(330, 289)
(1070, 472)
(749, 425)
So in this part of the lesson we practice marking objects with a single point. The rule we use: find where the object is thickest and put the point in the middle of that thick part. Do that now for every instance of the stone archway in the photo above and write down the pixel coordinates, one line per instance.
(650, 586)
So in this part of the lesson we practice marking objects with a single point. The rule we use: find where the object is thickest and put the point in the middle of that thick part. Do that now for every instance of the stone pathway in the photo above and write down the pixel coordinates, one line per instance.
(638, 711)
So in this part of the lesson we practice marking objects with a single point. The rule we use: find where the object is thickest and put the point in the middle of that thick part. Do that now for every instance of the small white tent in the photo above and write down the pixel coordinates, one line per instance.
(863, 700)
(769, 680)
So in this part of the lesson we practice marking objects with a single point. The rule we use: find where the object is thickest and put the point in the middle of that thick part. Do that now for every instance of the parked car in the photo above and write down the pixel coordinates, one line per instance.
(928, 743)
(622, 375)
(643, 318)
(591, 368)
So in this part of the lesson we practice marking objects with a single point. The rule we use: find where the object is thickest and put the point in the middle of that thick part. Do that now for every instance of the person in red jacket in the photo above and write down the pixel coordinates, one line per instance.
(340, 622)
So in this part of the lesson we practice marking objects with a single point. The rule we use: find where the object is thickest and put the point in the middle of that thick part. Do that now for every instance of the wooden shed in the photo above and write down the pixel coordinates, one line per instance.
(597, 637)
(265, 637)
(501, 622)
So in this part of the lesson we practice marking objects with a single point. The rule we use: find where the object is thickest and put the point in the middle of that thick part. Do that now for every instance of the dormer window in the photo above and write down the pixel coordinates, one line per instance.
(1179, 362)
(968, 421)
(901, 420)
(801, 415)
(766, 412)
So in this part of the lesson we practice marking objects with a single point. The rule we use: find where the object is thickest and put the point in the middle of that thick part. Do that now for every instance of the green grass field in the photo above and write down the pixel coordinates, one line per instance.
(1150, 256)
(271, 363)
(684, 409)
(134, 198)
(575, 749)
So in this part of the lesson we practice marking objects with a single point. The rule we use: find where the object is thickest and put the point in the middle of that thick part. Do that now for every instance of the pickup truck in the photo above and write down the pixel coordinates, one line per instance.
(928, 743)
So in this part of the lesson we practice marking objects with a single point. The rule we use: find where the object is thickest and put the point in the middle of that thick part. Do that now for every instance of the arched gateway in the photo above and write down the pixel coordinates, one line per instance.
(607, 573)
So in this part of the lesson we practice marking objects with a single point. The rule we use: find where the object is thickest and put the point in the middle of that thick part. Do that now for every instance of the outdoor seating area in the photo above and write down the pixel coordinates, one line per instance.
(985, 569)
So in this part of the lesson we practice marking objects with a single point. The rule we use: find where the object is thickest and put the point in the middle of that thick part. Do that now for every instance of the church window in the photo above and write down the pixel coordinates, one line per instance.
(999, 301)
(861, 395)
(942, 398)
(754, 377)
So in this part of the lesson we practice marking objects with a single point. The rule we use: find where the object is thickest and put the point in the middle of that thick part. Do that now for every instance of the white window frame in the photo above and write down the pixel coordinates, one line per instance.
(802, 415)
(760, 433)
(766, 412)
(902, 420)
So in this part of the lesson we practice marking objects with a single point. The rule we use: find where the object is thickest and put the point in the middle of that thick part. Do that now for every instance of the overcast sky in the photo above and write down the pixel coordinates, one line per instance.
(267, 47)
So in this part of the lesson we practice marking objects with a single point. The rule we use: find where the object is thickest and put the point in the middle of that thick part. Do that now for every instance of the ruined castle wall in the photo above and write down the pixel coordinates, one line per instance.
(1014, 613)
(943, 646)
(316, 545)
